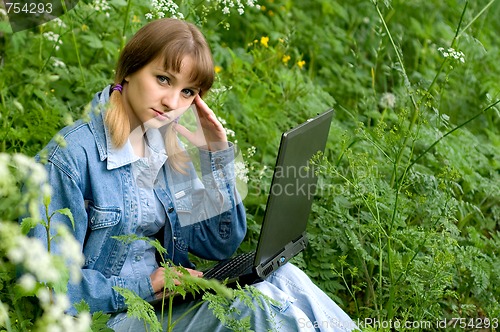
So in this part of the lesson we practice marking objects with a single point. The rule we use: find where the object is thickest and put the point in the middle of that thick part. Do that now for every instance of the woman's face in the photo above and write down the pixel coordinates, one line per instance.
(155, 97)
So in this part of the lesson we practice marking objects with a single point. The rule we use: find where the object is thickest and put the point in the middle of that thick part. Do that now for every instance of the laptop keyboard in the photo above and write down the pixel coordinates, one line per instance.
(231, 268)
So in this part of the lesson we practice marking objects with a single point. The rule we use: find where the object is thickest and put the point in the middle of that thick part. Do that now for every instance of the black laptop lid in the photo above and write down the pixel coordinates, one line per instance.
(293, 187)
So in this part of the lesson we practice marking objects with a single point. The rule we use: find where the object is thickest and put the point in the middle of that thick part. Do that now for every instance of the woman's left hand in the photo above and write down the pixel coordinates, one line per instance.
(210, 132)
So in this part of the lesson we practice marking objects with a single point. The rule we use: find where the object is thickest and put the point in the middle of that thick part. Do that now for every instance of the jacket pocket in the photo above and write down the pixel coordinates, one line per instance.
(183, 200)
(101, 217)
(101, 222)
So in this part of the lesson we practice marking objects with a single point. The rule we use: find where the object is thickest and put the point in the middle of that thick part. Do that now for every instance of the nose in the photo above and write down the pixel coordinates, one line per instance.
(170, 99)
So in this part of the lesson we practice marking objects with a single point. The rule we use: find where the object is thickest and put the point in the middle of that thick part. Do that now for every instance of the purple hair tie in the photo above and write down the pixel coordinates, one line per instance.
(118, 87)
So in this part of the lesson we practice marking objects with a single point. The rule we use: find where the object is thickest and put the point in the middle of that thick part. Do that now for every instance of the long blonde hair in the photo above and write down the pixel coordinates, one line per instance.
(172, 40)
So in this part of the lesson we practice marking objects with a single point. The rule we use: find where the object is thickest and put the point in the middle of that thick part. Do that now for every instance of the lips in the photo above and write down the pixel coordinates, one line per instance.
(161, 115)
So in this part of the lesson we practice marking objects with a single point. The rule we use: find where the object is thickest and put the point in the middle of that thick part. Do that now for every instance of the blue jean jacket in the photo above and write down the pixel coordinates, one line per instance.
(205, 216)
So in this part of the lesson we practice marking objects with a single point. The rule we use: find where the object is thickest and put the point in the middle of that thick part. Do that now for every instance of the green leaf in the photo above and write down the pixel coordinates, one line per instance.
(67, 213)
(27, 224)
(93, 41)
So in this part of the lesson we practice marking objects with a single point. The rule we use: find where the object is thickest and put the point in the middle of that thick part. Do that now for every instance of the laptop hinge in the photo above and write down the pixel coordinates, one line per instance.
(290, 251)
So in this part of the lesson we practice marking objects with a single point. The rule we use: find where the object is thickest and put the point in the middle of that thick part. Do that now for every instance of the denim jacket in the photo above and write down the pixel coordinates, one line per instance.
(204, 216)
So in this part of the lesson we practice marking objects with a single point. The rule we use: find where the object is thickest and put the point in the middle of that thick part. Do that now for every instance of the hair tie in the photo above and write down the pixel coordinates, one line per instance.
(118, 87)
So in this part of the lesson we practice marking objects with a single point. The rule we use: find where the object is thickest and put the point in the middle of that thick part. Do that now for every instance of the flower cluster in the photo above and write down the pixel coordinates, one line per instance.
(241, 171)
(32, 255)
(19, 169)
(229, 132)
(101, 6)
(53, 37)
(452, 53)
(40, 269)
(168, 8)
(228, 5)
(388, 100)
(164, 8)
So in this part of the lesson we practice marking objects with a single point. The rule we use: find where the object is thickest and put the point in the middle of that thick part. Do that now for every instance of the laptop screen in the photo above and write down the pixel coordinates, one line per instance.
(293, 186)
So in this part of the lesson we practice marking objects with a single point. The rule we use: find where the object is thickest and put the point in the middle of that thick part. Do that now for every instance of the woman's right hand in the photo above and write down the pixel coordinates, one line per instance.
(157, 278)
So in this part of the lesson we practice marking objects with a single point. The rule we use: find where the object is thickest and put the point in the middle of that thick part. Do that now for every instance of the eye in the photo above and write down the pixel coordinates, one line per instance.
(188, 93)
(163, 79)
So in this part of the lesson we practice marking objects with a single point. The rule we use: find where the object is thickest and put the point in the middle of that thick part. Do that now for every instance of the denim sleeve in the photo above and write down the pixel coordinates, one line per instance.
(217, 235)
(94, 288)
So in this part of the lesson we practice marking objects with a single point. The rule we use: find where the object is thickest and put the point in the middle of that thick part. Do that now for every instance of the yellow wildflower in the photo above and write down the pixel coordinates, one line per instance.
(217, 69)
(264, 41)
(136, 19)
(85, 27)
(285, 59)
(301, 63)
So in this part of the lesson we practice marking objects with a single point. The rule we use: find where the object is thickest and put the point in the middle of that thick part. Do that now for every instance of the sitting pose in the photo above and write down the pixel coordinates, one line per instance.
(123, 171)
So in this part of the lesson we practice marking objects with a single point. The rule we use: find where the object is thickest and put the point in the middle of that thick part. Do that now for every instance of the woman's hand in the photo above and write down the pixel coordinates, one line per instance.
(157, 278)
(210, 132)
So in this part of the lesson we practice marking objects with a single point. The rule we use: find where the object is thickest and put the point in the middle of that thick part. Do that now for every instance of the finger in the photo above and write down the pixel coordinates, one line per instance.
(195, 138)
(205, 112)
(195, 273)
(183, 131)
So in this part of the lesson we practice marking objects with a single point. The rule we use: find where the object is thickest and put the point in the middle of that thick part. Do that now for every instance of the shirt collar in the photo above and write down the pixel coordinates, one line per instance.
(118, 157)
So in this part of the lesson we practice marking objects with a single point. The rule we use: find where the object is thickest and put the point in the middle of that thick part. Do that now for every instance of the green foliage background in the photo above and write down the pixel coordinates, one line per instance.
(405, 225)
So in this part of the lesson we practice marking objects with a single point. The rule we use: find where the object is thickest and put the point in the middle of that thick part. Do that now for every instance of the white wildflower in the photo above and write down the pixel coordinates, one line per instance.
(239, 5)
(164, 8)
(4, 314)
(453, 54)
(4, 169)
(241, 171)
(53, 37)
(58, 63)
(31, 253)
(251, 151)
(54, 327)
(82, 323)
(43, 295)
(222, 121)
(230, 132)
(27, 282)
(101, 6)
(72, 253)
(388, 100)
(59, 23)
(16, 255)
(46, 191)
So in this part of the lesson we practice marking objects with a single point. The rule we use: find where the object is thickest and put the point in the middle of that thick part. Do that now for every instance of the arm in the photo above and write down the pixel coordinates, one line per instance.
(221, 233)
(214, 222)
(95, 287)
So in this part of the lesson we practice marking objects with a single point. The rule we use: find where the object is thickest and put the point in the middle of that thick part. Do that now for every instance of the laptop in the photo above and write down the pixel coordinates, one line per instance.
(293, 186)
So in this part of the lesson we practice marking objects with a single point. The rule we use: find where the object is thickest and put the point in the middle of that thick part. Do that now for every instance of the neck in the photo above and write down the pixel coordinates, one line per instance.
(137, 140)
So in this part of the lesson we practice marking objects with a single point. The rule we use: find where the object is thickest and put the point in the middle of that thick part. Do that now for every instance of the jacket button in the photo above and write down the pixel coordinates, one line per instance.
(170, 210)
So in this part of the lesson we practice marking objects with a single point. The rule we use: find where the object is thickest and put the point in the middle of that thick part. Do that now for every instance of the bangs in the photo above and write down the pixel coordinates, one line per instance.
(202, 71)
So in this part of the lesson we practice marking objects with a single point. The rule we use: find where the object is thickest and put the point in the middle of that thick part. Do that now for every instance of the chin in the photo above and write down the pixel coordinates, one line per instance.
(156, 123)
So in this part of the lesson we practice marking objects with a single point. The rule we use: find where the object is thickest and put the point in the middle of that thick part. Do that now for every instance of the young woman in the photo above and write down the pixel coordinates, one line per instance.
(123, 171)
